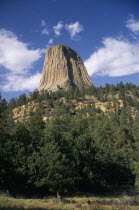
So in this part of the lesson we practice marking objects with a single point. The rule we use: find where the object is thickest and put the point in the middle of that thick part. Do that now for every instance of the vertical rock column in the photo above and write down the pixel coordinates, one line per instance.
(62, 69)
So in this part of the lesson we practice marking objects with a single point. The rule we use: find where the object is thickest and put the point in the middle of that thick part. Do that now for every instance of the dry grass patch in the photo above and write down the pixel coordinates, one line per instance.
(71, 203)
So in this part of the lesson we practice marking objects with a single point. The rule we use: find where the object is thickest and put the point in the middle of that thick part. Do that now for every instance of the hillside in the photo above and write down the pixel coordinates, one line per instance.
(67, 141)
(99, 100)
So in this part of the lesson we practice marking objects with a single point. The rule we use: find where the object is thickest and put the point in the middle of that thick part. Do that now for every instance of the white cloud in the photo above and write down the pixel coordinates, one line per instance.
(43, 23)
(50, 41)
(14, 54)
(21, 82)
(74, 29)
(17, 60)
(57, 28)
(133, 24)
(115, 58)
(45, 31)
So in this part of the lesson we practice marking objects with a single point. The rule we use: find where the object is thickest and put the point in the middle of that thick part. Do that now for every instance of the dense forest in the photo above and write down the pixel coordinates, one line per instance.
(89, 151)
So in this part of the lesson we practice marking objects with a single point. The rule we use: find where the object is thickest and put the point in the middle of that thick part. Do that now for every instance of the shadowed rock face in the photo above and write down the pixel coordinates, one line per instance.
(62, 69)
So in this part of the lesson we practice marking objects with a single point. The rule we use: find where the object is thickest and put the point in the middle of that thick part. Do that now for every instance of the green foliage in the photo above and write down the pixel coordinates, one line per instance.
(75, 151)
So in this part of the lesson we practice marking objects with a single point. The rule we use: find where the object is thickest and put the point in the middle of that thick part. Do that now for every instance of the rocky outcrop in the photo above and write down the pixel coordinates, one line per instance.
(105, 107)
(22, 113)
(62, 69)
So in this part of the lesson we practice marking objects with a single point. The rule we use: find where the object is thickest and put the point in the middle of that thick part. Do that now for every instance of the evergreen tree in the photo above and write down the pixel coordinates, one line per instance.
(35, 126)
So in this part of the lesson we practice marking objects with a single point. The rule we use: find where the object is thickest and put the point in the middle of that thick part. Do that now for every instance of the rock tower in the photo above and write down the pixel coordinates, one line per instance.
(62, 69)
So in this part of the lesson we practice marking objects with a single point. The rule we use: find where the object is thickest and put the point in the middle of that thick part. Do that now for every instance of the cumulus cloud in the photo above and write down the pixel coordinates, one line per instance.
(115, 58)
(74, 29)
(50, 41)
(16, 60)
(21, 82)
(133, 24)
(57, 28)
(14, 54)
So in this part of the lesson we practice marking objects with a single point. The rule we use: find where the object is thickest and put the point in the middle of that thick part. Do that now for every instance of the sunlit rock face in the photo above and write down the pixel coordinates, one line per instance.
(63, 68)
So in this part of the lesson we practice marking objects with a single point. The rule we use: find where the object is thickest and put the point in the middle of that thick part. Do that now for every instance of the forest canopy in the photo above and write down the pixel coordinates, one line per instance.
(84, 152)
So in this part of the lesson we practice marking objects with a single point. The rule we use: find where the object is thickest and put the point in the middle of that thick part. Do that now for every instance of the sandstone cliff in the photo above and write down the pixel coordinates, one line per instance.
(62, 69)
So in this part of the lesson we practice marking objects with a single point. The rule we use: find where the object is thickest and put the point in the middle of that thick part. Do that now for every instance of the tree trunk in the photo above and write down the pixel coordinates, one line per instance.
(59, 199)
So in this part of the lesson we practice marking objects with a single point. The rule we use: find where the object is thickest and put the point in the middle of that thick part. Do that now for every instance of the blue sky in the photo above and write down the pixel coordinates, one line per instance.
(105, 33)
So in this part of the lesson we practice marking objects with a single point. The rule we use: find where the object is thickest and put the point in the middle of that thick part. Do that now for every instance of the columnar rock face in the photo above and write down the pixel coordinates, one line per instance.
(62, 69)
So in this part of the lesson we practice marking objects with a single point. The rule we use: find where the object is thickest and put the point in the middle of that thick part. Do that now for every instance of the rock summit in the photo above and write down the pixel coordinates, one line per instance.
(63, 68)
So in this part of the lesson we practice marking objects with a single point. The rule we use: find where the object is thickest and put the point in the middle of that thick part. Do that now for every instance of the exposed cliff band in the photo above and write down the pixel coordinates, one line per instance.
(62, 69)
